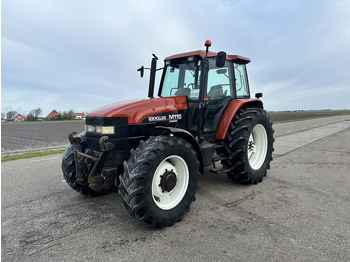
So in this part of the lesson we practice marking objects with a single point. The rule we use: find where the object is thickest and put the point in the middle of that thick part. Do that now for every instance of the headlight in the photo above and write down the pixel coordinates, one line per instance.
(98, 129)
(89, 128)
(105, 130)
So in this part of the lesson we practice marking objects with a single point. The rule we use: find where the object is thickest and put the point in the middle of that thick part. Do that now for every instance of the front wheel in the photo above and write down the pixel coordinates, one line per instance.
(248, 146)
(70, 174)
(159, 181)
(69, 171)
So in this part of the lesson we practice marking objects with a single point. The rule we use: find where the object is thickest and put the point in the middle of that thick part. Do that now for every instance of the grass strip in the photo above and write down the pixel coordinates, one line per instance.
(32, 154)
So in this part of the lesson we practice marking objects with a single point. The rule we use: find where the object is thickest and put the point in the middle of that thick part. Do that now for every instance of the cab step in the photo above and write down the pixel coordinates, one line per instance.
(218, 171)
(217, 158)
(217, 146)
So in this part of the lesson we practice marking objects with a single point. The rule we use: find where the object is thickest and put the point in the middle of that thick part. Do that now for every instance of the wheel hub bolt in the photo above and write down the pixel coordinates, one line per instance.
(168, 181)
(250, 145)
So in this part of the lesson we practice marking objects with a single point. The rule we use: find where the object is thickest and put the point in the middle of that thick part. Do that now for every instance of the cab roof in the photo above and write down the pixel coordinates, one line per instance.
(236, 58)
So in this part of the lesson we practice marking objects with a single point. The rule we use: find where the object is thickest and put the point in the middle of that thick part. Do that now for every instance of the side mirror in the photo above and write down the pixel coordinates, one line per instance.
(220, 59)
(258, 95)
(141, 70)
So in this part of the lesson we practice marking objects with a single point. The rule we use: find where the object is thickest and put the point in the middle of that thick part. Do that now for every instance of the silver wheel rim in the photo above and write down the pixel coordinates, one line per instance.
(165, 199)
(257, 147)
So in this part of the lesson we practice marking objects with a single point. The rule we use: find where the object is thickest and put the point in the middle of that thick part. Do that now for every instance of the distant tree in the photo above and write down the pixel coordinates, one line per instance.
(30, 116)
(10, 115)
(63, 115)
(37, 112)
(34, 114)
(68, 115)
(3, 115)
(71, 114)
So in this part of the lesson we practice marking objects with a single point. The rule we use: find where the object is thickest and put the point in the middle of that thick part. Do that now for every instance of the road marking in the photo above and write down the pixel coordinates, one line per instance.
(43, 159)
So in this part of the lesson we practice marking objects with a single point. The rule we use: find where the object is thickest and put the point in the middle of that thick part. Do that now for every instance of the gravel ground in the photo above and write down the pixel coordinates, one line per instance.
(22, 137)
(286, 116)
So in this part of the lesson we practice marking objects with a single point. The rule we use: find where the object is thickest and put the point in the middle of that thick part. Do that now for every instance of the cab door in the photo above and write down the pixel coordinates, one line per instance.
(220, 91)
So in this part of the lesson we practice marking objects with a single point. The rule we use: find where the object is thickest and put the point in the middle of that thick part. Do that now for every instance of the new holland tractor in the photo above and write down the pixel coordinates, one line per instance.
(153, 150)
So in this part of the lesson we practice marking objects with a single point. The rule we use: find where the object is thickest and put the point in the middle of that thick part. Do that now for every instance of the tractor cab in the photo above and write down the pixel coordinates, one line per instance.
(209, 81)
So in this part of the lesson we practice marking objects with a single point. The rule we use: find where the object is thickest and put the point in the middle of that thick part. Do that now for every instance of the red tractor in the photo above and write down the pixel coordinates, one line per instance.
(153, 150)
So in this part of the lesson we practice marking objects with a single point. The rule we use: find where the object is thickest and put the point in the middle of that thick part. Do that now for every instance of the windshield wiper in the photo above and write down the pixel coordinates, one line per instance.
(190, 67)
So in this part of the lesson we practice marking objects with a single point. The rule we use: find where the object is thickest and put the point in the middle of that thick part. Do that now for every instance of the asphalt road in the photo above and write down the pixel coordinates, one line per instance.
(300, 212)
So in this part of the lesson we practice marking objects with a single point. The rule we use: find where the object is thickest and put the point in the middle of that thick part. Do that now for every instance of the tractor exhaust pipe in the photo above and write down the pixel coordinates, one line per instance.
(152, 76)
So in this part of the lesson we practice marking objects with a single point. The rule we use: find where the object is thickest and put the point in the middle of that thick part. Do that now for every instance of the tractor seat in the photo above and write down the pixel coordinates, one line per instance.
(183, 92)
(216, 92)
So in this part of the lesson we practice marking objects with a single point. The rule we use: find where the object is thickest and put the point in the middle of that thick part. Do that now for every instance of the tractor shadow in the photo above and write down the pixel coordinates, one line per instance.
(209, 179)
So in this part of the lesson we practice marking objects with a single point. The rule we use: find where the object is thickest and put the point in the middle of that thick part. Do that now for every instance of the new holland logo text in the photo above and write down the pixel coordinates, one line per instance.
(156, 118)
(172, 118)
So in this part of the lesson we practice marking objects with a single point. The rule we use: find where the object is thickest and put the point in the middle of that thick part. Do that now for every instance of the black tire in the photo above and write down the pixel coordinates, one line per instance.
(147, 183)
(248, 146)
(69, 173)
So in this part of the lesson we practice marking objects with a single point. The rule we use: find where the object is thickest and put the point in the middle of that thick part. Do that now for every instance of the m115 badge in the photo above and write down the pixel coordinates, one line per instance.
(170, 118)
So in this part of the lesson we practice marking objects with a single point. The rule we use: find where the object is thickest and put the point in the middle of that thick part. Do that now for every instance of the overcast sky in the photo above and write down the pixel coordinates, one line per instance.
(83, 54)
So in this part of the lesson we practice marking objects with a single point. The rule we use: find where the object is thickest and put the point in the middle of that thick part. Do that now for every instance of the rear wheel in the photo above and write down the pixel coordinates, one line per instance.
(160, 180)
(248, 146)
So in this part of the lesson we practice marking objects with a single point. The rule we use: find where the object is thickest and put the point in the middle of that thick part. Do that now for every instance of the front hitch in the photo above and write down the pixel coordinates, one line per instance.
(89, 168)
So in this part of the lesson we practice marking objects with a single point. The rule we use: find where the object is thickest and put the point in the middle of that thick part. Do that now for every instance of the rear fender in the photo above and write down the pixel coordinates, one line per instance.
(230, 112)
(184, 134)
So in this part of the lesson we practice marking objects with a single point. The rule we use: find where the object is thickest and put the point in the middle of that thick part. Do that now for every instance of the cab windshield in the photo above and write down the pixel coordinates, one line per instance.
(182, 79)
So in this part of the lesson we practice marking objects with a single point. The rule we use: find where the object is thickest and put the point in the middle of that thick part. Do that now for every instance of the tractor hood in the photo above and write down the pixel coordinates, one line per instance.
(138, 109)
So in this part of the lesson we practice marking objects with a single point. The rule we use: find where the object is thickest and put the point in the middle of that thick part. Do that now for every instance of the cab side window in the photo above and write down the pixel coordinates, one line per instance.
(242, 88)
(219, 85)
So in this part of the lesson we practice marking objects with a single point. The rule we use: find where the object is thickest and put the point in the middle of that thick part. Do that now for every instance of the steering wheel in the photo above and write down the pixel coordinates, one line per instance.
(215, 104)
(171, 90)
(191, 84)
